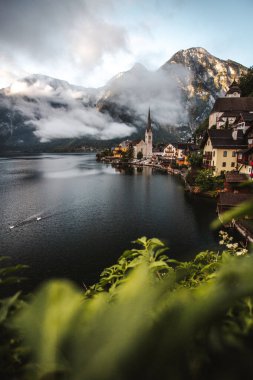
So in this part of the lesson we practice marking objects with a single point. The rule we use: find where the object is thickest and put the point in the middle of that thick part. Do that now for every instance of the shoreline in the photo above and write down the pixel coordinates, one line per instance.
(237, 226)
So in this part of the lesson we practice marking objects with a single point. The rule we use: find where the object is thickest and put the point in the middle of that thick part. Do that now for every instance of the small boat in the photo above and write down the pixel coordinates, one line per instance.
(38, 218)
(11, 227)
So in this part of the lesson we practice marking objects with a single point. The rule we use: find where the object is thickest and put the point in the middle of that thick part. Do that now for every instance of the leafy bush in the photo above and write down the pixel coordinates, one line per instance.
(195, 160)
(246, 83)
(206, 181)
(11, 353)
(148, 317)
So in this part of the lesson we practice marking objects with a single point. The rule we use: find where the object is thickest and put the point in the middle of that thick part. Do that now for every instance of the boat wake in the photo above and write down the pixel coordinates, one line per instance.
(31, 219)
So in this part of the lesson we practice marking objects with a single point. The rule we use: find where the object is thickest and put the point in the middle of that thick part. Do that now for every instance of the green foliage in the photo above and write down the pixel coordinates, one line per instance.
(246, 83)
(149, 317)
(245, 209)
(11, 354)
(206, 181)
(130, 153)
(139, 155)
(195, 160)
(105, 153)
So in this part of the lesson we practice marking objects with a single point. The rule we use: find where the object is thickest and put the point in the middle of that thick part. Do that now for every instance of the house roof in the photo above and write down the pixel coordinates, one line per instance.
(233, 104)
(135, 142)
(233, 199)
(235, 177)
(246, 151)
(222, 138)
(184, 146)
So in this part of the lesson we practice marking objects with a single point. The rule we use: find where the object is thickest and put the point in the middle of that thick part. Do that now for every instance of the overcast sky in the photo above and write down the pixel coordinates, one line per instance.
(86, 42)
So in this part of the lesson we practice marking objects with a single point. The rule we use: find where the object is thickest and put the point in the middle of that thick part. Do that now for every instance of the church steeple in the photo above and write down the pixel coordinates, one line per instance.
(149, 137)
(149, 128)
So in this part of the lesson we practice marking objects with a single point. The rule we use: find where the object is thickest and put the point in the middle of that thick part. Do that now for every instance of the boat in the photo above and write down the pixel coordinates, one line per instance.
(38, 218)
(11, 227)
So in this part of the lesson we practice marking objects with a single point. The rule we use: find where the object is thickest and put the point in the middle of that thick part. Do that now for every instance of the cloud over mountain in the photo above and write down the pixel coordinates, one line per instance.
(55, 109)
(138, 89)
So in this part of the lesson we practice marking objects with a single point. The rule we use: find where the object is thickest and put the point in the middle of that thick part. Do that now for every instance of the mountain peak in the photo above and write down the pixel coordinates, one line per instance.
(185, 54)
(138, 67)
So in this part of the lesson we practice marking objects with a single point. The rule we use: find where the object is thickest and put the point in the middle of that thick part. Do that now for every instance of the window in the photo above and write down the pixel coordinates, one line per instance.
(225, 153)
(224, 164)
(232, 164)
(249, 170)
(233, 154)
(214, 153)
(213, 163)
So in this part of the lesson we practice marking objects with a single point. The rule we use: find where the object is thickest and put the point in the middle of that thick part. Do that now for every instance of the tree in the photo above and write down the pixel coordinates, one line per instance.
(130, 153)
(204, 180)
(139, 155)
(195, 160)
(246, 83)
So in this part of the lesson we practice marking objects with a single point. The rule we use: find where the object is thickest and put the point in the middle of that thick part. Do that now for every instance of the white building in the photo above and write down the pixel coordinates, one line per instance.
(145, 147)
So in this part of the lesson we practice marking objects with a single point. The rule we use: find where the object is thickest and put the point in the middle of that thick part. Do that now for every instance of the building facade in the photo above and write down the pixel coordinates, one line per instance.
(145, 147)
(220, 149)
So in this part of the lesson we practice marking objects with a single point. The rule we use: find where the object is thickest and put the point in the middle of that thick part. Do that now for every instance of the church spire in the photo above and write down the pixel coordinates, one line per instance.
(149, 129)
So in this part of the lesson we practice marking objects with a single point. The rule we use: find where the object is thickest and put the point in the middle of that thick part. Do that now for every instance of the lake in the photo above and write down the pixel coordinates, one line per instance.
(90, 213)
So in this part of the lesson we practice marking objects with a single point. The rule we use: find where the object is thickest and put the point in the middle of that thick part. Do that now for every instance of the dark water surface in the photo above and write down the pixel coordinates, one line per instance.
(90, 213)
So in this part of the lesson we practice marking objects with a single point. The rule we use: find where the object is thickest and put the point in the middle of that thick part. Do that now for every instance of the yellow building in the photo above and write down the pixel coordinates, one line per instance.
(121, 149)
(220, 147)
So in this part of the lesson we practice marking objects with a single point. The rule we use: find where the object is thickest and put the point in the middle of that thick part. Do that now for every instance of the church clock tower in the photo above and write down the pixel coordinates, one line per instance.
(149, 137)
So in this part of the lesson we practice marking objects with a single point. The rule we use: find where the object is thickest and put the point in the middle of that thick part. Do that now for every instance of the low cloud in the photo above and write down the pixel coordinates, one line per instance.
(57, 110)
(79, 123)
(139, 89)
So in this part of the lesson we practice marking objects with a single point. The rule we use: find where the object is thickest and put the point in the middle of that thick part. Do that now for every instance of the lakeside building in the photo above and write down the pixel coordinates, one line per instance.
(178, 153)
(220, 149)
(227, 110)
(145, 147)
(121, 149)
(228, 142)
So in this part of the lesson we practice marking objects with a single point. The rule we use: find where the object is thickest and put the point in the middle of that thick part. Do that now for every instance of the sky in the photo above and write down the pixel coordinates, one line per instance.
(87, 42)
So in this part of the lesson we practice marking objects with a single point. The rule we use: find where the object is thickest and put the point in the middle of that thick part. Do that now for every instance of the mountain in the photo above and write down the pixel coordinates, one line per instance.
(209, 78)
(182, 90)
(31, 102)
(38, 111)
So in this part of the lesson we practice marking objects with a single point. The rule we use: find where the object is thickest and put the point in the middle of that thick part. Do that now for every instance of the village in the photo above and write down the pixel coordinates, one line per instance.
(218, 163)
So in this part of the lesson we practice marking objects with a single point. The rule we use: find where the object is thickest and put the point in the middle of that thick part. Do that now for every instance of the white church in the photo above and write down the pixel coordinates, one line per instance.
(145, 147)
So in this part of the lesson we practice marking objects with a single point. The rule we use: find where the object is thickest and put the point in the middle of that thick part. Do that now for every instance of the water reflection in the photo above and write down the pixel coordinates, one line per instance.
(90, 212)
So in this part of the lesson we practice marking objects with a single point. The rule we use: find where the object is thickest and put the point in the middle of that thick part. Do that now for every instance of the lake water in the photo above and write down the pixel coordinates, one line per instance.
(90, 213)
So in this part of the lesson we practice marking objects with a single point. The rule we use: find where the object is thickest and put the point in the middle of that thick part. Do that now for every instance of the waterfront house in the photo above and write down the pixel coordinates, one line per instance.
(121, 149)
(220, 147)
(178, 153)
(227, 201)
(234, 180)
(226, 110)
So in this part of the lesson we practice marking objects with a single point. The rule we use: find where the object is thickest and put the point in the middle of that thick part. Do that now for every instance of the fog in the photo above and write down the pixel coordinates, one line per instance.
(139, 89)
(59, 110)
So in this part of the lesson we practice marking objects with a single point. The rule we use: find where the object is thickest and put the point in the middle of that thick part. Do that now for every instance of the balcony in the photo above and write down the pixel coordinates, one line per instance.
(208, 156)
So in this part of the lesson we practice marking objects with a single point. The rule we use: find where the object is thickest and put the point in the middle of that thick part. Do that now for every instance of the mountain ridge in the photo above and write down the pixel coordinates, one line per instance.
(181, 91)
